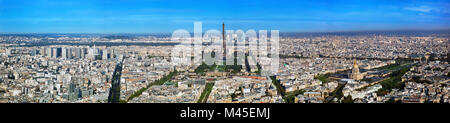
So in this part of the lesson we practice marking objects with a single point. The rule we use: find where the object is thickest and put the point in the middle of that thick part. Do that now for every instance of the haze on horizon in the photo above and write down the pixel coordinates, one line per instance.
(152, 16)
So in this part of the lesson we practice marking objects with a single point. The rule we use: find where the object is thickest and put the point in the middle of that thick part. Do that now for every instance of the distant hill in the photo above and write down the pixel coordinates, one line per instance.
(113, 37)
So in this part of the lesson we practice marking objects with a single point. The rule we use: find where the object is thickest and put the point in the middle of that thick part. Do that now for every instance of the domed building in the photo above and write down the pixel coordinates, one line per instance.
(355, 75)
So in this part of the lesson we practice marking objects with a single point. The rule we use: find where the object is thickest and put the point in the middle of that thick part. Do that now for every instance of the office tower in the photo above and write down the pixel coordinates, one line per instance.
(58, 52)
(105, 55)
(42, 51)
(49, 52)
(91, 54)
(111, 54)
(83, 53)
(78, 53)
(69, 53)
(96, 51)
(33, 52)
(64, 53)
(54, 52)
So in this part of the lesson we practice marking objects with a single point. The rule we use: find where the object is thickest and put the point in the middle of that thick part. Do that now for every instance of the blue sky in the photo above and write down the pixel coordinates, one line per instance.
(148, 16)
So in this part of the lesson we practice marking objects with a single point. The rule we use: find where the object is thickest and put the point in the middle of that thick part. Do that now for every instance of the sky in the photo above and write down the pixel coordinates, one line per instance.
(165, 16)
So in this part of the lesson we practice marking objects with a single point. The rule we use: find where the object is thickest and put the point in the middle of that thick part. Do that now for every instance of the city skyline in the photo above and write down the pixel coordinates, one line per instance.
(224, 59)
(155, 16)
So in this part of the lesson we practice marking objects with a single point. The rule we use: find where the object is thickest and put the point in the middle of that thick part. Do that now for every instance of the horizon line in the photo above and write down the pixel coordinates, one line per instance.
(338, 31)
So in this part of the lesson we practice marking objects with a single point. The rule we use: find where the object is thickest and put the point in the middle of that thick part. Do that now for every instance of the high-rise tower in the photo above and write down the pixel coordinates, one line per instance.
(224, 44)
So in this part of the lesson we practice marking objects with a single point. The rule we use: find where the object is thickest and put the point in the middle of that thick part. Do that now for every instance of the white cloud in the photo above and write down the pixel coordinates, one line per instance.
(424, 9)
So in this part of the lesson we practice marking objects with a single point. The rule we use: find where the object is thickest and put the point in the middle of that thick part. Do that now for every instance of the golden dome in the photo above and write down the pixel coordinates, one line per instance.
(355, 64)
